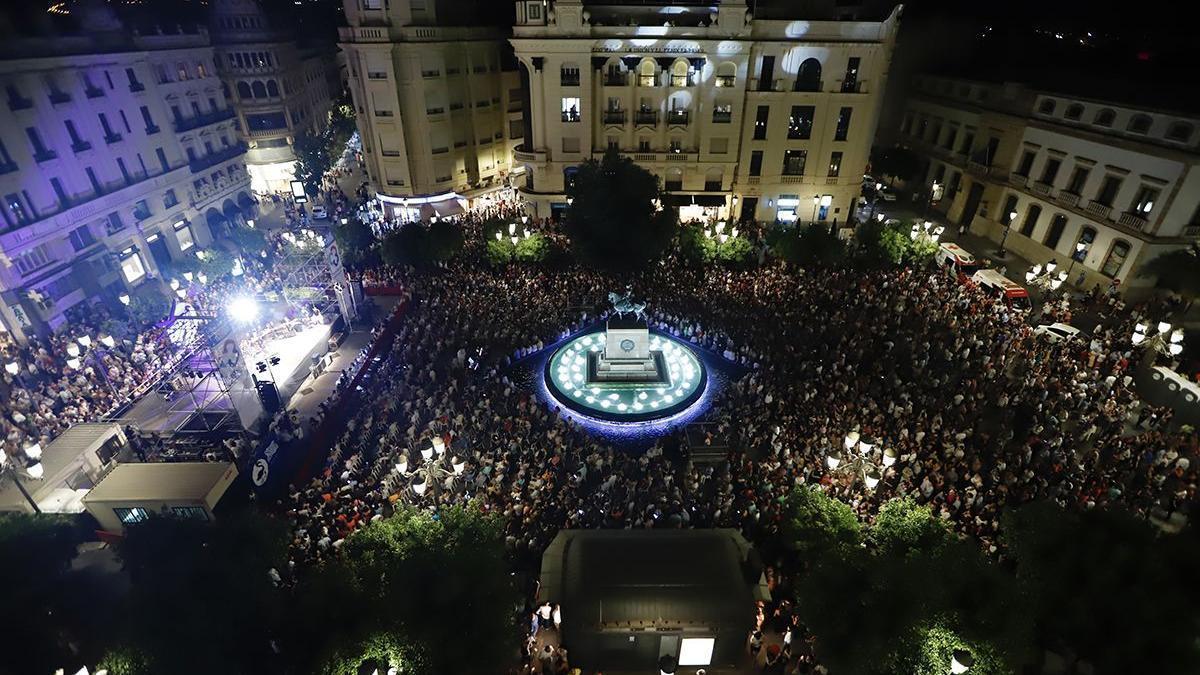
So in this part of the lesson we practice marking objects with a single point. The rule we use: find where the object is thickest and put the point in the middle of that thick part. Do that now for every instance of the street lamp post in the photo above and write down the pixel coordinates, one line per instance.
(1163, 340)
(961, 661)
(927, 230)
(1044, 277)
(875, 200)
(1003, 252)
(859, 458)
(34, 470)
(933, 186)
(1077, 256)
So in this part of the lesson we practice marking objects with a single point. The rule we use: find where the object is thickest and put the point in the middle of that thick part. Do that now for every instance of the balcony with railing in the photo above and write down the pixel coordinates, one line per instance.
(1040, 188)
(647, 80)
(851, 87)
(725, 81)
(682, 81)
(214, 158)
(1017, 179)
(722, 116)
(677, 118)
(1097, 209)
(614, 117)
(1135, 220)
(978, 167)
(808, 85)
(761, 85)
(1068, 199)
(647, 117)
(204, 119)
(571, 116)
(569, 79)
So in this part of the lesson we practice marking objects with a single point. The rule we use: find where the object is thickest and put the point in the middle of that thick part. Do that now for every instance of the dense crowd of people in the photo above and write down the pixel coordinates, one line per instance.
(981, 413)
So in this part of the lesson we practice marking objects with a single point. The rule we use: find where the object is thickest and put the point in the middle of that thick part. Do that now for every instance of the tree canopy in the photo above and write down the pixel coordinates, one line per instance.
(614, 220)
(1177, 271)
(896, 162)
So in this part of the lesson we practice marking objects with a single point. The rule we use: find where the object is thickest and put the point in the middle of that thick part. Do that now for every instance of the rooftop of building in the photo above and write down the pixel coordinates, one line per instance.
(631, 578)
(158, 481)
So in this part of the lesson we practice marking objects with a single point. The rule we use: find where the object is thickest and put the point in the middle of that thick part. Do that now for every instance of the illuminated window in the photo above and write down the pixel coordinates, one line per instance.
(696, 651)
(570, 109)
(183, 235)
(132, 268)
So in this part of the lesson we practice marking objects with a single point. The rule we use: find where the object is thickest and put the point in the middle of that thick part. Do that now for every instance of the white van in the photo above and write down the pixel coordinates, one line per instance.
(1002, 288)
(957, 260)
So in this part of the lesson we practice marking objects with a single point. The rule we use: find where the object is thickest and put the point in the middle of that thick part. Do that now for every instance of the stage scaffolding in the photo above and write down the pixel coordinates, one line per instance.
(312, 276)
(202, 390)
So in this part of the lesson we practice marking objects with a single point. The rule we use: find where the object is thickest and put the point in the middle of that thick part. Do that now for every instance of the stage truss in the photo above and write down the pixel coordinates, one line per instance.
(313, 277)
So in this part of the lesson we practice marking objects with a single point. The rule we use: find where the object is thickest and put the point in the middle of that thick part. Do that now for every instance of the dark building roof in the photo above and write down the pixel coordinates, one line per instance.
(637, 578)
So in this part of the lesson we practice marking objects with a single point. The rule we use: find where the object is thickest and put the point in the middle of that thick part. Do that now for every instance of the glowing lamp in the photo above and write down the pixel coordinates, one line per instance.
(202, 278)
(402, 466)
(524, 219)
(865, 446)
(832, 461)
(1012, 215)
(74, 363)
(73, 349)
(1055, 283)
(826, 200)
(426, 454)
(1177, 336)
(35, 470)
(889, 456)
(174, 284)
(1175, 348)
(512, 228)
(1139, 327)
(1163, 327)
(733, 232)
(34, 451)
(458, 465)
(12, 367)
(1080, 246)
(108, 341)
(1037, 269)
(499, 237)
(961, 661)
(243, 309)
(850, 440)
(182, 293)
(85, 341)
(514, 239)
(250, 223)
(124, 298)
(237, 270)
(419, 486)
(1138, 338)
(188, 276)
(1029, 276)
(439, 446)
(872, 479)
(1052, 265)
(720, 227)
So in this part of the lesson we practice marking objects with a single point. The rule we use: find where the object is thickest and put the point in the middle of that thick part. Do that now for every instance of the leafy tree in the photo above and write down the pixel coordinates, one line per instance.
(1108, 587)
(613, 221)
(443, 241)
(422, 582)
(936, 645)
(921, 252)
(192, 578)
(1177, 271)
(215, 262)
(533, 248)
(148, 304)
(250, 240)
(404, 246)
(902, 527)
(313, 160)
(35, 553)
(812, 246)
(355, 241)
(817, 524)
(702, 249)
(896, 162)
(881, 245)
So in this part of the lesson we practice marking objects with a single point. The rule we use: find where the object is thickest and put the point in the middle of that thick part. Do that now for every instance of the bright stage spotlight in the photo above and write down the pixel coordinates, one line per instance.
(243, 309)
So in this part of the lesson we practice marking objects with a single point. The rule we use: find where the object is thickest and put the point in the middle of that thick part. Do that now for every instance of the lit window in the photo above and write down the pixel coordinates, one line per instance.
(183, 235)
(132, 268)
(570, 109)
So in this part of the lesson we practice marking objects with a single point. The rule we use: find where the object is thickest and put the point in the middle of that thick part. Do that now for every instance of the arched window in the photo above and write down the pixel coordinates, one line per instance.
(1053, 235)
(1046, 107)
(808, 77)
(1087, 235)
(243, 90)
(680, 74)
(1104, 118)
(727, 75)
(260, 89)
(1031, 218)
(646, 73)
(1180, 131)
(1074, 111)
(1139, 124)
(1115, 259)
(272, 88)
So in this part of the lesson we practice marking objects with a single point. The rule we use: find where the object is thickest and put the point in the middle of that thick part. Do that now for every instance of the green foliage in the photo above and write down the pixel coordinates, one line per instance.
(250, 240)
(355, 241)
(812, 246)
(314, 158)
(423, 581)
(414, 244)
(148, 304)
(703, 250)
(193, 578)
(816, 524)
(883, 245)
(124, 660)
(499, 252)
(935, 646)
(903, 527)
(1109, 587)
(921, 252)
(215, 262)
(613, 222)
(35, 552)
(534, 248)
(1177, 271)
(897, 162)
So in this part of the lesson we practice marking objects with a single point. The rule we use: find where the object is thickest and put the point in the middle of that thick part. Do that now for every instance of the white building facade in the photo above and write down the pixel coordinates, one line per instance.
(1098, 186)
(437, 110)
(118, 154)
(739, 117)
(277, 87)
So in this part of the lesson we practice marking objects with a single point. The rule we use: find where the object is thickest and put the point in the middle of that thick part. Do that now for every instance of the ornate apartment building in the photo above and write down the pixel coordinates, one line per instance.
(741, 117)
(118, 154)
(278, 87)
(438, 110)
(1109, 185)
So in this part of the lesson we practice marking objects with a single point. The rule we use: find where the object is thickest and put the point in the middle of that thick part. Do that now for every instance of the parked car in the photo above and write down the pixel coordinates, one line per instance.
(1056, 332)
(319, 212)
(887, 194)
